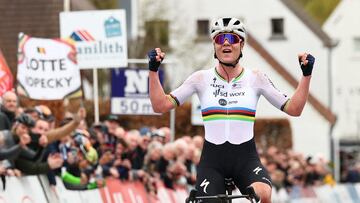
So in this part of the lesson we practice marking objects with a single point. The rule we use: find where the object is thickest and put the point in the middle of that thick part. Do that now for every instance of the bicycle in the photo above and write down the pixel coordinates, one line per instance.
(228, 197)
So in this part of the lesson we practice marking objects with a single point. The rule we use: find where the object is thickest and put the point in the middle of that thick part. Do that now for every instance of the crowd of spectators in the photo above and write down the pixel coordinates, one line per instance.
(288, 169)
(84, 155)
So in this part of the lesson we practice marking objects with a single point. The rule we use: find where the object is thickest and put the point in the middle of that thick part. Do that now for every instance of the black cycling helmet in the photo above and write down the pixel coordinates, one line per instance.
(25, 120)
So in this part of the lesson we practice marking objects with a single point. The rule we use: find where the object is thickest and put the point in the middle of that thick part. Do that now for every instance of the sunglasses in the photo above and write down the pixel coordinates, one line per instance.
(230, 37)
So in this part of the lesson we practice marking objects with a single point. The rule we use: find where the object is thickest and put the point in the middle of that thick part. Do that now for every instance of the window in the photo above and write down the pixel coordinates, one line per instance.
(157, 32)
(277, 28)
(357, 44)
(203, 28)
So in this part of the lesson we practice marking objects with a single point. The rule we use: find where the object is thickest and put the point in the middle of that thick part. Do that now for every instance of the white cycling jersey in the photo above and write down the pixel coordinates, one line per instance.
(228, 108)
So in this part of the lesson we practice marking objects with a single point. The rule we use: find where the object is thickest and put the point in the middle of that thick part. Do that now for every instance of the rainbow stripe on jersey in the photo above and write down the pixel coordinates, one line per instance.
(235, 113)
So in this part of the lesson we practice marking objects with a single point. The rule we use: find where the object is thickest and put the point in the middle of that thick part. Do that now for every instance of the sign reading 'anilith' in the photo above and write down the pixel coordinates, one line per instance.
(100, 37)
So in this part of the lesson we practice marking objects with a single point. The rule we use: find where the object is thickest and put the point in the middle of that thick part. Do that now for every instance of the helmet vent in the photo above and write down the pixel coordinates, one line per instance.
(226, 21)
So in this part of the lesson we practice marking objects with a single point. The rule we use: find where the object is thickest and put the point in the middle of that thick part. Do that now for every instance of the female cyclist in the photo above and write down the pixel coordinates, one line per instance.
(228, 95)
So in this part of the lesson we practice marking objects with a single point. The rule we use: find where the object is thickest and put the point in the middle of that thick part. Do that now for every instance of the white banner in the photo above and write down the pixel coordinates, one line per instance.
(22, 190)
(47, 69)
(100, 37)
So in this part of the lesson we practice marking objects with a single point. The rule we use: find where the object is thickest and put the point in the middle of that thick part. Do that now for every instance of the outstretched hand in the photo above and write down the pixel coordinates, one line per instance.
(82, 113)
(155, 58)
(306, 62)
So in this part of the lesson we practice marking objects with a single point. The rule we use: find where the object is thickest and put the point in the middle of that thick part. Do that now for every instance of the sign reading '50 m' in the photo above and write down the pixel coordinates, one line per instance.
(130, 91)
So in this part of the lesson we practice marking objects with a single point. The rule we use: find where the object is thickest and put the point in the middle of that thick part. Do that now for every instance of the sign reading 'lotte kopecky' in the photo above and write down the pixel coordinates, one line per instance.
(100, 37)
(47, 69)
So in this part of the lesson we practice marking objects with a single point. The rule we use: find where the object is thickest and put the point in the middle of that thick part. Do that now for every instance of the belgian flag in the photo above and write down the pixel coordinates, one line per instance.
(41, 50)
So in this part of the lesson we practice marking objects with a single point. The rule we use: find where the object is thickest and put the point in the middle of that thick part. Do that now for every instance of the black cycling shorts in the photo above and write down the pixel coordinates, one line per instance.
(239, 162)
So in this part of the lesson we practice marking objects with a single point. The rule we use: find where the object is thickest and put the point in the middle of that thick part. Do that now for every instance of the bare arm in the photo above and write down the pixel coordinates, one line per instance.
(159, 100)
(10, 153)
(297, 102)
(57, 133)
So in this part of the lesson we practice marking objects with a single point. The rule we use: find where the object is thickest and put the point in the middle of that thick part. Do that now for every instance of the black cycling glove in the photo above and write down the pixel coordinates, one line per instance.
(153, 64)
(307, 69)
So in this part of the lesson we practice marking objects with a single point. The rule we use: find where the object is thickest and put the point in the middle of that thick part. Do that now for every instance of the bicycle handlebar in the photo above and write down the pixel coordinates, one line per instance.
(251, 196)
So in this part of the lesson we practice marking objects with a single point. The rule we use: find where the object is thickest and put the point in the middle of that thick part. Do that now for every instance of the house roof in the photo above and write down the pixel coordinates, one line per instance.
(309, 22)
(322, 109)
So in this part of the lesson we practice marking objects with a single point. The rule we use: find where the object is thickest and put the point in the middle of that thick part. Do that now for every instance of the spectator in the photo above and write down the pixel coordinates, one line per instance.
(117, 166)
(158, 135)
(167, 158)
(100, 131)
(175, 174)
(167, 134)
(278, 179)
(25, 162)
(8, 110)
(140, 151)
(13, 142)
(120, 133)
(198, 141)
(353, 175)
(190, 165)
(33, 113)
(181, 148)
(152, 158)
(134, 154)
(111, 123)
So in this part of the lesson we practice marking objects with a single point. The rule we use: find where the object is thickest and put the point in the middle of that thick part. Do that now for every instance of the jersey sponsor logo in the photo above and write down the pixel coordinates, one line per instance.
(217, 86)
(204, 184)
(257, 170)
(236, 94)
(218, 92)
(237, 85)
(222, 102)
(233, 102)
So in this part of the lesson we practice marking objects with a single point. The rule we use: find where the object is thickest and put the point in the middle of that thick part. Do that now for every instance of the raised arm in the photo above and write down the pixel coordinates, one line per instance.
(159, 100)
(10, 153)
(57, 133)
(296, 104)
